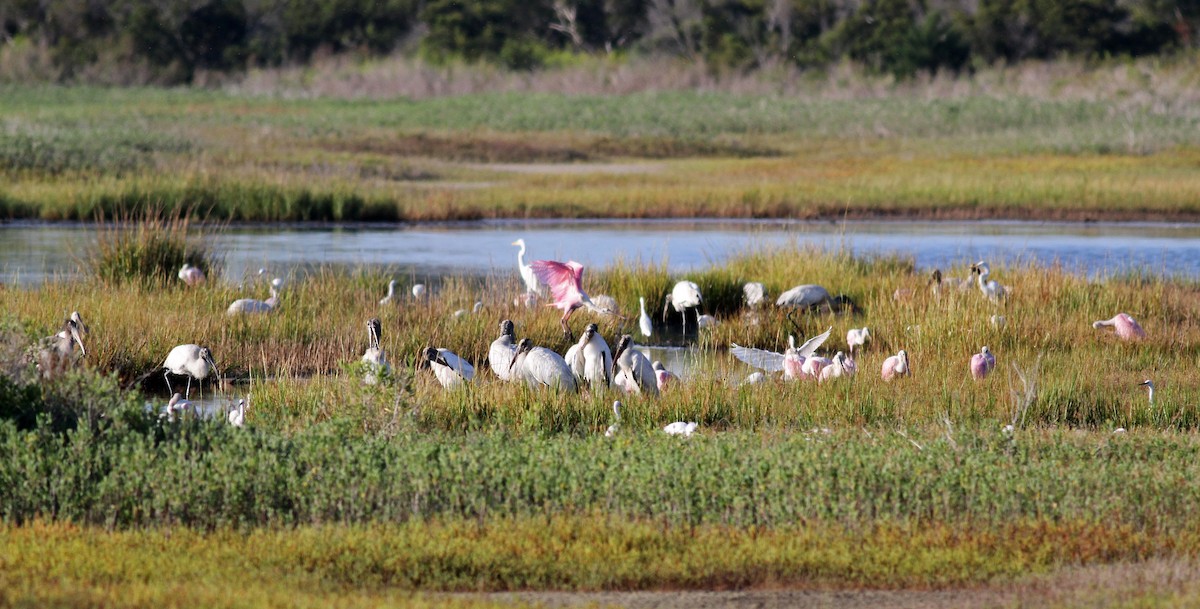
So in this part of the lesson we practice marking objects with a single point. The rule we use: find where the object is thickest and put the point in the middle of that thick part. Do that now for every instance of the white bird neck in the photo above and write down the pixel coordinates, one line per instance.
(1151, 388)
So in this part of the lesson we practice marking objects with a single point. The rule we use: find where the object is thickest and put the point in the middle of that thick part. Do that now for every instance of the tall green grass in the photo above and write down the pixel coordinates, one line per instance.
(149, 250)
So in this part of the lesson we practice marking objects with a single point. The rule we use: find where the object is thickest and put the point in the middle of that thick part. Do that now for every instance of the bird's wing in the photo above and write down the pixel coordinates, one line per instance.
(758, 358)
(559, 276)
(811, 345)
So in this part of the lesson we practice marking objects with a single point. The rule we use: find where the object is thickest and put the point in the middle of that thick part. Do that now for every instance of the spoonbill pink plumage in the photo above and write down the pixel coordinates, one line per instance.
(982, 363)
(1126, 327)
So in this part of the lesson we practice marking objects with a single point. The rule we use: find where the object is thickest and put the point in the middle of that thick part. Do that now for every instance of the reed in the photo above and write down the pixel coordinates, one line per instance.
(148, 251)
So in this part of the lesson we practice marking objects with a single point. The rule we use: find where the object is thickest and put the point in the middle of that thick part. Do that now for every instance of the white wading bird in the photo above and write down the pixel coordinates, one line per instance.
(177, 407)
(251, 305)
(1149, 385)
(541, 367)
(237, 415)
(896, 365)
(391, 294)
(840, 366)
(755, 294)
(192, 361)
(857, 337)
(374, 357)
(54, 354)
(681, 428)
(612, 429)
(590, 359)
(685, 295)
(450, 370)
(791, 363)
(631, 371)
(418, 291)
(644, 322)
(502, 351)
(990, 288)
(663, 377)
(190, 275)
(527, 275)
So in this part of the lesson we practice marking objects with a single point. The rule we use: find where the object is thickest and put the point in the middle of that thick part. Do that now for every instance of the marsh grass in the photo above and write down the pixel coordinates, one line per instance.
(148, 250)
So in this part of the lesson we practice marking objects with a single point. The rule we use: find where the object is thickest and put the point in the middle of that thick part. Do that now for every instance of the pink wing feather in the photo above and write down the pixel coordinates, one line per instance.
(563, 279)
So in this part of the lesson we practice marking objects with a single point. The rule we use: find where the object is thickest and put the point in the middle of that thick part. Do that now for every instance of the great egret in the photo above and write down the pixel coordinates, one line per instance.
(1149, 385)
(502, 351)
(192, 361)
(527, 274)
(449, 375)
(566, 285)
(982, 363)
(374, 357)
(631, 371)
(755, 294)
(251, 305)
(612, 429)
(680, 428)
(896, 365)
(990, 288)
(663, 377)
(857, 337)
(541, 367)
(791, 363)
(55, 353)
(685, 295)
(191, 275)
(644, 323)
(391, 294)
(1127, 328)
(237, 415)
(590, 359)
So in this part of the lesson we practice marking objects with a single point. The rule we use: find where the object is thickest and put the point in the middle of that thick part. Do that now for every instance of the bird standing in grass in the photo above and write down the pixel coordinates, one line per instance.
(644, 322)
(590, 359)
(1149, 385)
(896, 365)
(502, 351)
(857, 337)
(54, 354)
(541, 367)
(612, 429)
(566, 285)
(685, 295)
(792, 363)
(1126, 327)
(251, 305)
(631, 371)
(237, 415)
(374, 357)
(663, 377)
(527, 275)
(192, 361)
(990, 288)
(190, 275)
(982, 363)
(391, 294)
(449, 372)
(680, 428)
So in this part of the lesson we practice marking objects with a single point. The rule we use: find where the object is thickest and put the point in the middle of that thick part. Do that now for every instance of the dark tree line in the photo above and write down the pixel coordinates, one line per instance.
(177, 38)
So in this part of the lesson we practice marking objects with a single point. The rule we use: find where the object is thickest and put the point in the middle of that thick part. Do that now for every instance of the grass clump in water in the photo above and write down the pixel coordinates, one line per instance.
(149, 251)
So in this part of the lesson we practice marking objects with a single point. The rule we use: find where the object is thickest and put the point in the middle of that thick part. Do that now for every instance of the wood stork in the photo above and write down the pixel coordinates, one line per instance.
(896, 365)
(237, 415)
(590, 359)
(566, 285)
(449, 375)
(541, 367)
(811, 296)
(1126, 327)
(839, 367)
(1149, 385)
(982, 363)
(663, 377)
(251, 305)
(631, 371)
(502, 351)
(527, 275)
(857, 337)
(791, 363)
(192, 361)
(612, 429)
(54, 354)
(391, 294)
(681, 428)
(374, 357)
(755, 294)
(190, 275)
(685, 295)
(644, 323)
(989, 287)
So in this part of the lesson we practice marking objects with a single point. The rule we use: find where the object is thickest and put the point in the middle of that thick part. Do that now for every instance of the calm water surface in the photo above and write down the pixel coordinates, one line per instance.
(32, 253)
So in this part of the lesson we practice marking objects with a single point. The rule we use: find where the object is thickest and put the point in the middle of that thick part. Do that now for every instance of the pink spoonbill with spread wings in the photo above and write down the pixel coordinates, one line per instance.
(566, 285)
(1127, 328)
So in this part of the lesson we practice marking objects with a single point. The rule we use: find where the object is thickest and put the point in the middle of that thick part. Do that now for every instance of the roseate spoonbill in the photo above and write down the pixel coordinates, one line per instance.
(990, 287)
(939, 284)
(1127, 328)
(644, 323)
(374, 357)
(663, 377)
(680, 428)
(566, 285)
(791, 363)
(612, 429)
(251, 305)
(192, 361)
(418, 291)
(177, 407)
(54, 353)
(755, 294)
(449, 375)
(837, 368)
(857, 337)
(1149, 385)
(237, 414)
(631, 371)
(527, 275)
(391, 294)
(541, 367)
(191, 275)
(982, 363)
(896, 365)
(503, 350)
(590, 359)
(685, 295)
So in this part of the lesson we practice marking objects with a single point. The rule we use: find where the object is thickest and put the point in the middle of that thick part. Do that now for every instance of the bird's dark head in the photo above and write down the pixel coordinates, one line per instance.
(623, 346)
(374, 330)
(588, 333)
(842, 303)
(525, 346)
(936, 277)
(507, 328)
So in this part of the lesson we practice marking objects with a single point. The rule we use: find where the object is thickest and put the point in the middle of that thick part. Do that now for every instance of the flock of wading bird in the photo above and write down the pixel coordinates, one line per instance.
(589, 363)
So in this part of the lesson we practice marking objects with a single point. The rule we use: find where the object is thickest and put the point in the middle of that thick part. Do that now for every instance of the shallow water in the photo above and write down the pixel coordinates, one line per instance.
(32, 253)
